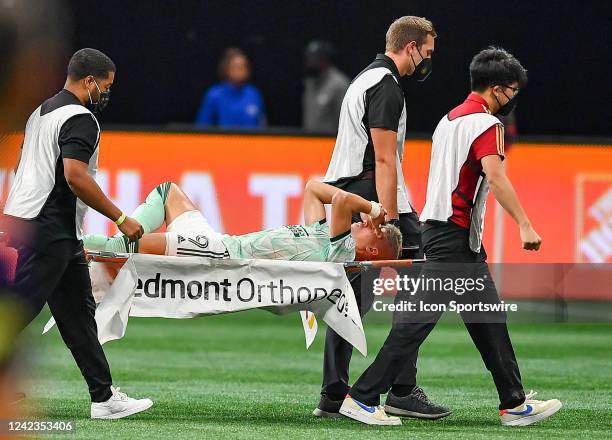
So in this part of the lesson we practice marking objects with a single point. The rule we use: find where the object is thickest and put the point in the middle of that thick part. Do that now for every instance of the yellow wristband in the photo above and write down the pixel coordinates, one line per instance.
(120, 220)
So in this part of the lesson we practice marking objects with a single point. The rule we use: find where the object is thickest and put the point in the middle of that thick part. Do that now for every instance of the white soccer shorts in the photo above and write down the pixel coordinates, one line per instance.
(190, 235)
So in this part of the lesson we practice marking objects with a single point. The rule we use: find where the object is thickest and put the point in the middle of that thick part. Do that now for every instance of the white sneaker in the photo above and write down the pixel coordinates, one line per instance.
(530, 411)
(119, 406)
(370, 415)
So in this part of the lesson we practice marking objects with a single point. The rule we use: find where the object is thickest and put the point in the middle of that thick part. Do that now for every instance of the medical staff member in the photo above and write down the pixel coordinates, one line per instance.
(54, 184)
(367, 161)
(466, 161)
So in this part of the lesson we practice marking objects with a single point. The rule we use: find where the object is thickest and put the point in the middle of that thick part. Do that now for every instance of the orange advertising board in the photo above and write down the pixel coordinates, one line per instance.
(244, 183)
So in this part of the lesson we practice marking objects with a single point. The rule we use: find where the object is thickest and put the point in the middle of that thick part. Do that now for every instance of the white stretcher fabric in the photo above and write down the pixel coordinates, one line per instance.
(187, 287)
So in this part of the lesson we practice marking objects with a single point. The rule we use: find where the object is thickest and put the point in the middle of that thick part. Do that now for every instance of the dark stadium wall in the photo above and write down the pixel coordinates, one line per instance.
(167, 54)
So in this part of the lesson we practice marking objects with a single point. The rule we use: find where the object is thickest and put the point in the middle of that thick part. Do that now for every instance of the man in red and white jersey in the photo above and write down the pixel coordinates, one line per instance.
(466, 161)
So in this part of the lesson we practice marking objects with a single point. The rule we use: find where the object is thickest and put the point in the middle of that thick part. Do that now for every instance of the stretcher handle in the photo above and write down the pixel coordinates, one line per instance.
(382, 263)
(104, 256)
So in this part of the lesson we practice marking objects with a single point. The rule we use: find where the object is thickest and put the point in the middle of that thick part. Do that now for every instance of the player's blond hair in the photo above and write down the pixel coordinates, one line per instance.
(406, 29)
(394, 237)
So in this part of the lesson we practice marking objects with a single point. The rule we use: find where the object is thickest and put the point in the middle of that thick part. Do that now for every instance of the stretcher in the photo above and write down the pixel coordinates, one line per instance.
(343, 315)
(176, 283)
(120, 257)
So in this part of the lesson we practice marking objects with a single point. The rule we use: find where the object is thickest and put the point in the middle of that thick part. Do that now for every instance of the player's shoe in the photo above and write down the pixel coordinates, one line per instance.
(328, 407)
(530, 411)
(416, 404)
(370, 415)
(119, 406)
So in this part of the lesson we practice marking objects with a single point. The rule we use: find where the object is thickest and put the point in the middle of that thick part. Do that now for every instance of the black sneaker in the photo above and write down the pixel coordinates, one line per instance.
(328, 407)
(416, 404)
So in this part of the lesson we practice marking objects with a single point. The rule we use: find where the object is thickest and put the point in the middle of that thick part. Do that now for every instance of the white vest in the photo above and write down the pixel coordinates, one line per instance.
(35, 176)
(352, 140)
(452, 141)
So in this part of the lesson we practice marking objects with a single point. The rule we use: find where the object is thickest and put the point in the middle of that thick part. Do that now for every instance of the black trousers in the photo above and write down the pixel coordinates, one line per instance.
(65, 285)
(445, 243)
(338, 352)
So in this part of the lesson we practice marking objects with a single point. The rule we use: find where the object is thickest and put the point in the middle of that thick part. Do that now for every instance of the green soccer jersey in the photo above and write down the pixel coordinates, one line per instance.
(293, 242)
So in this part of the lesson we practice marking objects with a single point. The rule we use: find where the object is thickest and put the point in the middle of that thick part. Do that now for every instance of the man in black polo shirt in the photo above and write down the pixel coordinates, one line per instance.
(54, 184)
(367, 161)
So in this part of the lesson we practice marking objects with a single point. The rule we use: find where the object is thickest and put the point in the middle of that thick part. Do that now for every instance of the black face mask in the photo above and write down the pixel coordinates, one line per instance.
(423, 69)
(103, 98)
(507, 107)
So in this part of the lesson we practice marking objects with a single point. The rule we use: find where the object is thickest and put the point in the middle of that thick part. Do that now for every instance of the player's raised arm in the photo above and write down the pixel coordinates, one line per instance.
(506, 196)
(316, 196)
(344, 204)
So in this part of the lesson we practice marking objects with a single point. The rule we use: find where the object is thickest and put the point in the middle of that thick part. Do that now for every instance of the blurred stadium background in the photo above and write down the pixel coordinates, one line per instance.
(248, 375)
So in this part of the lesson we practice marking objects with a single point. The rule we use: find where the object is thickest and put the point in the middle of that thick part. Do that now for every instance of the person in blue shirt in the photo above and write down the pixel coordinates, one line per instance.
(233, 103)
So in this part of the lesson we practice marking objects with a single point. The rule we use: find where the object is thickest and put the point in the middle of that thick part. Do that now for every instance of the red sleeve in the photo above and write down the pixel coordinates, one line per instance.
(490, 142)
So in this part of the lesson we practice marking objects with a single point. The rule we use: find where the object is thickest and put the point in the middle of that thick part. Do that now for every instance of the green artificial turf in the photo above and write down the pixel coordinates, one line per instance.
(248, 375)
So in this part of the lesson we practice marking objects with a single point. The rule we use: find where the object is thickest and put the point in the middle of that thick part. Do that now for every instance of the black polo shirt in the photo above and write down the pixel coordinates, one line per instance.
(374, 99)
(383, 105)
(41, 210)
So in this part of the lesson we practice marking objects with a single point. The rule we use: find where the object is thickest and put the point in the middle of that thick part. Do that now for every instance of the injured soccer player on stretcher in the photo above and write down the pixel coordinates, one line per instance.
(188, 233)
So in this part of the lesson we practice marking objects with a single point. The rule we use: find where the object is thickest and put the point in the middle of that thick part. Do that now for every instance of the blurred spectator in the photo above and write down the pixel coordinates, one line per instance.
(324, 89)
(233, 102)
